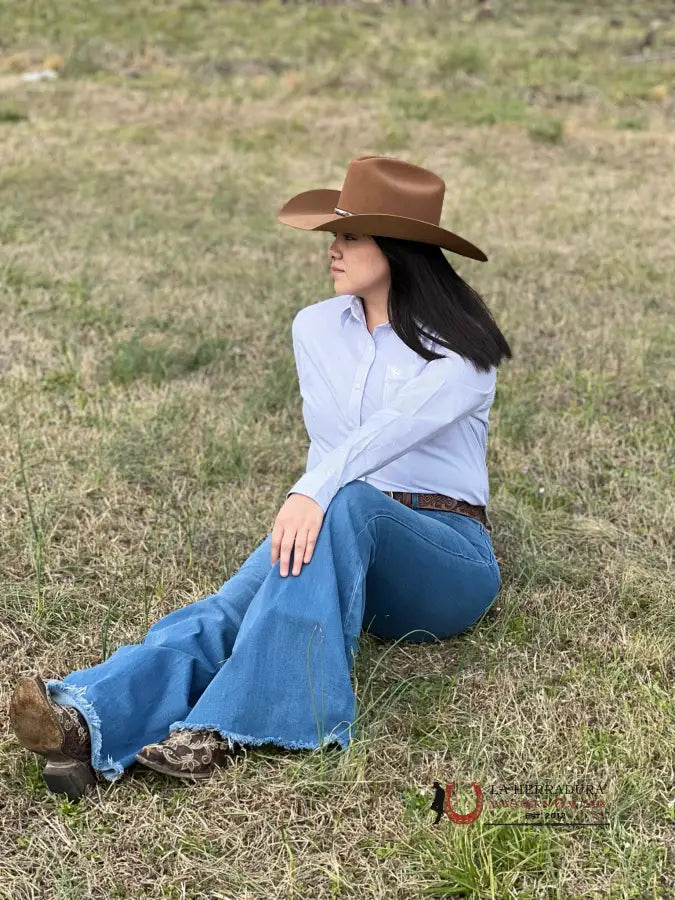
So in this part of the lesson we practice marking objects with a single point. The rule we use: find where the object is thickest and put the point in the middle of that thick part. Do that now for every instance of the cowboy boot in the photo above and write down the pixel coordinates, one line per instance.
(188, 754)
(59, 733)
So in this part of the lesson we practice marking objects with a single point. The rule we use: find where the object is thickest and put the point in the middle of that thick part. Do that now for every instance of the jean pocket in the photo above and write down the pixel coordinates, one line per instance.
(482, 542)
(475, 533)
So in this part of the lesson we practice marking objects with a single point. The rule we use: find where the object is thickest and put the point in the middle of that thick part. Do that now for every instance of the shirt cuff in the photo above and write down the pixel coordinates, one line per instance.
(321, 490)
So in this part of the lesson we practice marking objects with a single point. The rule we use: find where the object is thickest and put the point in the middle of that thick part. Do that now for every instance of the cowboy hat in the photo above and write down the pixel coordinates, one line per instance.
(384, 196)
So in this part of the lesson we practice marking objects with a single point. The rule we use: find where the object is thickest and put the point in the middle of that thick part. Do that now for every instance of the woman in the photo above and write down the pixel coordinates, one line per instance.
(386, 531)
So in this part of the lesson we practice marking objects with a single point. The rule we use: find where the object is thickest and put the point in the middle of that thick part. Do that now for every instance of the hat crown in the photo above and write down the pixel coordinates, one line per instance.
(381, 196)
(383, 184)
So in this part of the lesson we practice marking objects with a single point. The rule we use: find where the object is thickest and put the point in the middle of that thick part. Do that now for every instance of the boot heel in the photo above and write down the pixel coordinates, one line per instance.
(68, 776)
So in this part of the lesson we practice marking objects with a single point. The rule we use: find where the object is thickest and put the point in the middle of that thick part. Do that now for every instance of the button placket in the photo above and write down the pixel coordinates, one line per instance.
(358, 386)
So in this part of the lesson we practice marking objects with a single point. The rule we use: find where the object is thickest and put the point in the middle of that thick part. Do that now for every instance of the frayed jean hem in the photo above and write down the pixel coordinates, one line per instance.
(233, 736)
(72, 695)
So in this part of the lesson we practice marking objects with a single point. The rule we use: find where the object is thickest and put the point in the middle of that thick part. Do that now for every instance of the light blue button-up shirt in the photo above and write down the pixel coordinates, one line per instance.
(377, 411)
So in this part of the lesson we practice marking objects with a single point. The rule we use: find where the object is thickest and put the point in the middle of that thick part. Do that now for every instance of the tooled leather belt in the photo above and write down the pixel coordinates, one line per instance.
(445, 503)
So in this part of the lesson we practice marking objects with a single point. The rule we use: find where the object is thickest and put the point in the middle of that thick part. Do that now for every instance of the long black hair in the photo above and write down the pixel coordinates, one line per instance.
(427, 293)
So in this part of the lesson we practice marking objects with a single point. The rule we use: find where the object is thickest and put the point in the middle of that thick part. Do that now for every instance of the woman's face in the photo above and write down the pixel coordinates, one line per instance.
(364, 267)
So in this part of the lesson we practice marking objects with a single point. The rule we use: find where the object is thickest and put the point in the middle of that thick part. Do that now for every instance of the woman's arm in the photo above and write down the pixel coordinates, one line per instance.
(446, 390)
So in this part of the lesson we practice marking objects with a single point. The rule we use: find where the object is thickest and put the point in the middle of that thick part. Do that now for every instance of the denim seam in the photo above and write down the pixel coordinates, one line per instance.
(483, 531)
(71, 695)
(358, 580)
(453, 512)
(427, 538)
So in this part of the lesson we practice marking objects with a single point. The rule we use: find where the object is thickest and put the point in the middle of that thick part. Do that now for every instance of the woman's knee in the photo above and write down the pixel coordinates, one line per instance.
(173, 623)
(353, 494)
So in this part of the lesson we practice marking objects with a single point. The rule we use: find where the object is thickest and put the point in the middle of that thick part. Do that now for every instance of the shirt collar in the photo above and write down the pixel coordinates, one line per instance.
(352, 306)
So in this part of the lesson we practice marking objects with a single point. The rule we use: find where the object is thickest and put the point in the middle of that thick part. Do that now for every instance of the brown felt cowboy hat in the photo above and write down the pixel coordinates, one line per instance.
(384, 196)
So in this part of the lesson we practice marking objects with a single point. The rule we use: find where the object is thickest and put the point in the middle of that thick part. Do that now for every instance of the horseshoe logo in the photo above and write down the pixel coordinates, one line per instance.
(463, 818)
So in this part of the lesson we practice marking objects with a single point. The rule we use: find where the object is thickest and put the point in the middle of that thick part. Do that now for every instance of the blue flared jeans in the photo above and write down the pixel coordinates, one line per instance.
(267, 658)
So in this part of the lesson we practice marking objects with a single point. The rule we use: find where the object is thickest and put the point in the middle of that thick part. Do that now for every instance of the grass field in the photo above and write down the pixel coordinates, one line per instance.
(151, 425)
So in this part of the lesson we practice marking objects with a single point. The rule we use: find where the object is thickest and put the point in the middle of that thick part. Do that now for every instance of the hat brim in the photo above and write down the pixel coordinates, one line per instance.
(314, 210)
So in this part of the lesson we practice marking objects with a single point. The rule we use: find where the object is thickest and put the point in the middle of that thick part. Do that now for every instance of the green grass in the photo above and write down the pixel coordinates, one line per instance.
(151, 424)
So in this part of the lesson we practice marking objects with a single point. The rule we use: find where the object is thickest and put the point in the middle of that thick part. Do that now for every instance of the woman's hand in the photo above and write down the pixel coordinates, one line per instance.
(296, 528)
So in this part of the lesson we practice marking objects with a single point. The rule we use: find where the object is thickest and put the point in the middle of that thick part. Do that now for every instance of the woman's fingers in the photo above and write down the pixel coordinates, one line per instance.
(298, 544)
(287, 542)
(291, 532)
(311, 542)
(302, 554)
(299, 552)
(285, 551)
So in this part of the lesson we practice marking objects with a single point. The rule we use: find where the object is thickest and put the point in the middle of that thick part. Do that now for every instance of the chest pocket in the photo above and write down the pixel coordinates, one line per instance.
(395, 378)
